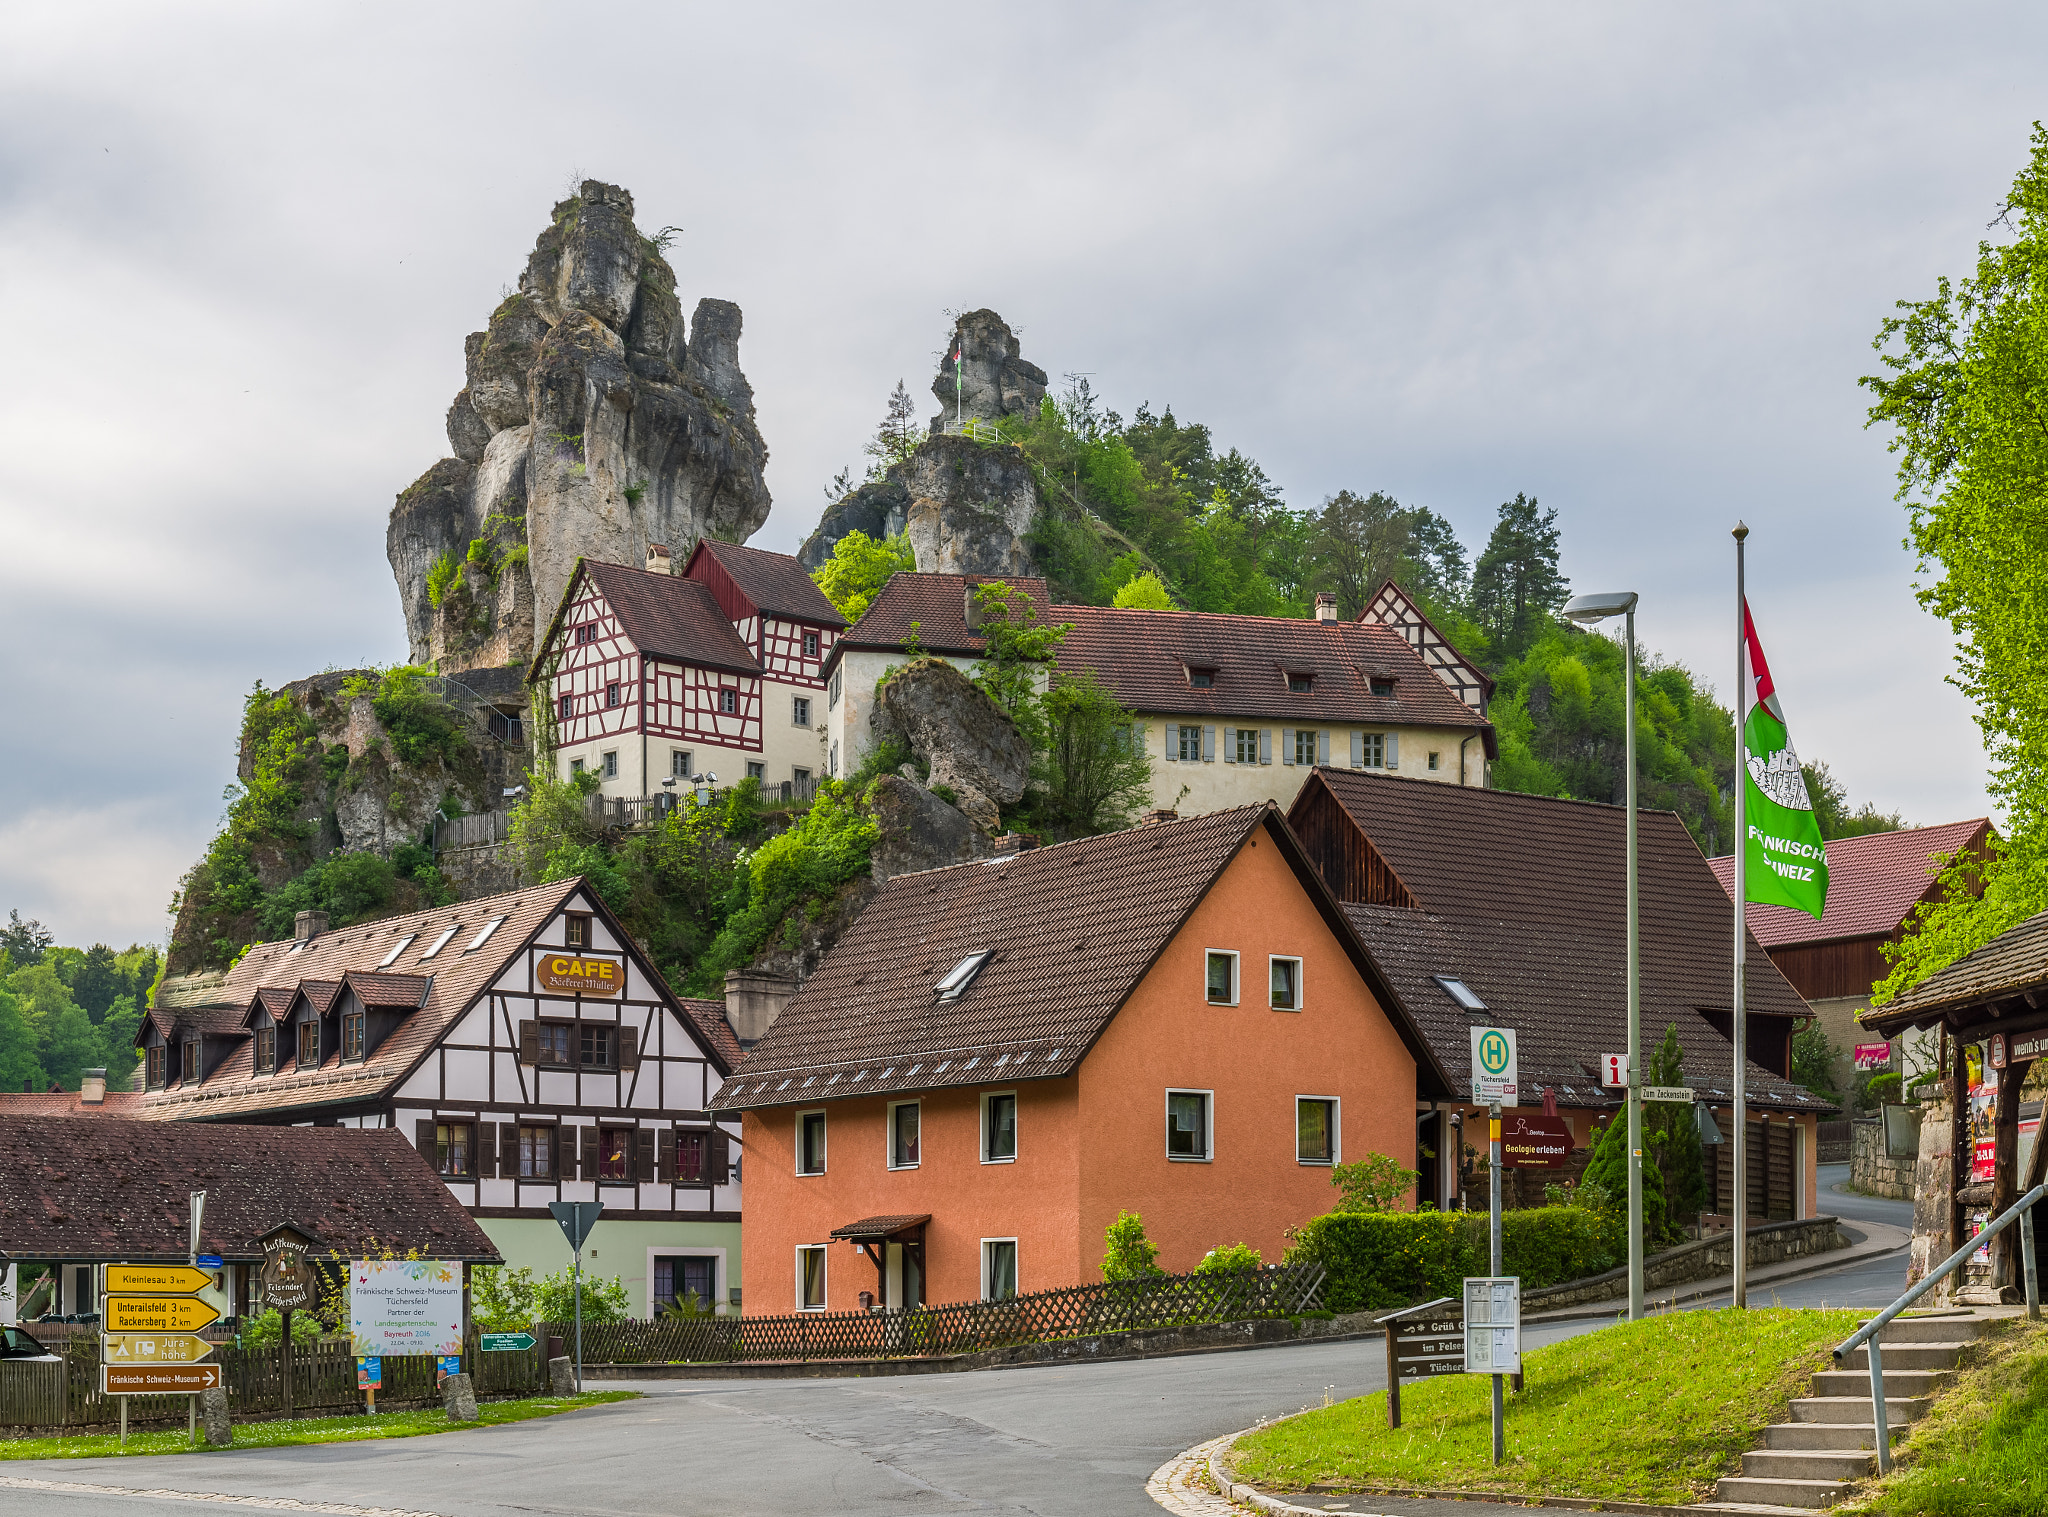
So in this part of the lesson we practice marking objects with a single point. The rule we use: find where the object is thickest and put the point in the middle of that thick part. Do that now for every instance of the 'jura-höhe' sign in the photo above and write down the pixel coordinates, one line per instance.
(579, 974)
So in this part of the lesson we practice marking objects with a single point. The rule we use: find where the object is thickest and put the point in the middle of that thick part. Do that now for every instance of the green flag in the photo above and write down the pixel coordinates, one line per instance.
(1785, 862)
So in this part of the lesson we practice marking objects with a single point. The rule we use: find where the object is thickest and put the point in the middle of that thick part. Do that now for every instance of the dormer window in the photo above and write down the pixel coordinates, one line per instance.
(309, 1045)
(1299, 684)
(961, 976)
(266, 1049)
(1384, 688)
(154, 1065)
(195, 1062)
(353, 1033)
(1201, 679)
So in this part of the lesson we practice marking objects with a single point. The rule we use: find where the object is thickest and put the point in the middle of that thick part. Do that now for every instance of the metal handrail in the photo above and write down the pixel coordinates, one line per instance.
(1866, 1335)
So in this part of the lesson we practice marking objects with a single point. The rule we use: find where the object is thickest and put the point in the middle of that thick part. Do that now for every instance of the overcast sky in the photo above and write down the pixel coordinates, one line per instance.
(1626, 258)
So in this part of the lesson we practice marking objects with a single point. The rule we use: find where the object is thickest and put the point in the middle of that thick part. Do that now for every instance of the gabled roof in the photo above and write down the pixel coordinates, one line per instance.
(176, 1023)
(938, 604)
(2011, 967)
(660, 614)
(1874, 882)
(713, 1030)
(1395, 608)
(1073, 929)
(88, 1188)
(774, 583)
(1144, 657)
(1523, 898)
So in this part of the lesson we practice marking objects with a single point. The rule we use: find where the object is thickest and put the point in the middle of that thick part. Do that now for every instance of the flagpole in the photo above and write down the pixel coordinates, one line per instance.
(1740, 1213)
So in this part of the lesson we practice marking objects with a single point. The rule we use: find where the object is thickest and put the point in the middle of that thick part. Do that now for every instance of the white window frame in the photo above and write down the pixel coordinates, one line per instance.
(1016, 1262)
(832, 688)
(1432, 761)
(1300, 990)
(1336, 1106)
(824, 1253)
(1208, 1154)
(611, 764)
(988, 1129)
(720, 1290)
(1295, 739)
(889, 1135)
(825, 1145)
(800, 711)
(679, 764)
(1236, 985)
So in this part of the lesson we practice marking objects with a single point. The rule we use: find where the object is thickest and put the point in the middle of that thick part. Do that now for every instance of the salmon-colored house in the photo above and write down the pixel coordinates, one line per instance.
(1178, 1020)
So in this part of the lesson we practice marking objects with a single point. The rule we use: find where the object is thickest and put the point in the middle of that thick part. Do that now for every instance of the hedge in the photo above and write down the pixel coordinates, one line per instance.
(1381, 1260)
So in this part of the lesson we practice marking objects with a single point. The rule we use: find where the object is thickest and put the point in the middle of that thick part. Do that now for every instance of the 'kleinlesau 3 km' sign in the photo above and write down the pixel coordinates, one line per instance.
(149, 1279)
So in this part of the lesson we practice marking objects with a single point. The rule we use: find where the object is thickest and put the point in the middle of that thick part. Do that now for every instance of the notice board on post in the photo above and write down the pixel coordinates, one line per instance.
(405, 1306)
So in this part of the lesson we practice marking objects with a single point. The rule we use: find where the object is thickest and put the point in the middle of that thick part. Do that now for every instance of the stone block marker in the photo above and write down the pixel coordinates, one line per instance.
(562, 1375)
(458, 1396)
(213, 1413)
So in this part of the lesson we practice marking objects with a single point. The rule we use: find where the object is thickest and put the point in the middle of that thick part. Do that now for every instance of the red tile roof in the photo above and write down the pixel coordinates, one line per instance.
(708, 1017)
(670, 617)
(1874, 882)
(938, 604)
(66, 1103)
(775, 582)
(1523, 898)
(1144, 657)
(89, 1189)
(1073, 929)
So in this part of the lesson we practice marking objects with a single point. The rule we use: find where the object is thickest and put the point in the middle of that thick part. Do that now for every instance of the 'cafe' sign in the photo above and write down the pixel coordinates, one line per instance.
(579, 974)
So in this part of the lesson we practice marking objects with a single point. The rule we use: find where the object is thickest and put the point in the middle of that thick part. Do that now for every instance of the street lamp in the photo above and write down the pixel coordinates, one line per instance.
(1594, 608)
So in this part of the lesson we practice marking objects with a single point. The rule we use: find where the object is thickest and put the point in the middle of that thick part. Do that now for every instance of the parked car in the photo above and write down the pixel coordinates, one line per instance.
(18, 1345)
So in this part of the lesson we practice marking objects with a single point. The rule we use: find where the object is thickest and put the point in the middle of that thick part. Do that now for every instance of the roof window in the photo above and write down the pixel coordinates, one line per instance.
(485, 936)
(441, 942)
(1460, 992)
(1201, 679)
(1382, 687)
(961, 975)
(1299, 684)
(396, 949)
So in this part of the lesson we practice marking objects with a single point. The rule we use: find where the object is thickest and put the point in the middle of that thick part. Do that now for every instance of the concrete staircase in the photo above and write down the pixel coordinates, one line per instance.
(1810, 1461)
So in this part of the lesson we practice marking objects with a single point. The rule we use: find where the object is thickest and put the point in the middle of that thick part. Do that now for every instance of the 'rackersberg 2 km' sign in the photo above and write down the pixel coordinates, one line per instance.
(579, 974)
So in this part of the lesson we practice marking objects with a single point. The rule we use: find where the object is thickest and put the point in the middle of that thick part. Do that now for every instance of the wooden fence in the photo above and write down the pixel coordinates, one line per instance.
(67, 1394)
(962, 1328)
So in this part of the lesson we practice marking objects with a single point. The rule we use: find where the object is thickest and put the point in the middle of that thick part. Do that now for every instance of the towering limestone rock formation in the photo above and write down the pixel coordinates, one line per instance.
(967, 506)
(593, 423)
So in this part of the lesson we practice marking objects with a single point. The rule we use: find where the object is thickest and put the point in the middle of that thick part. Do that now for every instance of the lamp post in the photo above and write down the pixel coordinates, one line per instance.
(1587, 609)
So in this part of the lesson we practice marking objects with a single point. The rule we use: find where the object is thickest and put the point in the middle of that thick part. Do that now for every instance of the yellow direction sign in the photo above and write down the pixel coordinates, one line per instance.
(156, 1314)
(158, 1279)
(153, 1348)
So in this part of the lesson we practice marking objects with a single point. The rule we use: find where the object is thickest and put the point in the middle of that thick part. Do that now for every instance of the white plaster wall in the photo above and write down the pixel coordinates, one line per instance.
(1213, 785)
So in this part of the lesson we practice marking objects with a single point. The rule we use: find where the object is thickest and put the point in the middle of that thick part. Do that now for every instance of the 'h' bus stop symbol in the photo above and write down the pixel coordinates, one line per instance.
(1493, 1065)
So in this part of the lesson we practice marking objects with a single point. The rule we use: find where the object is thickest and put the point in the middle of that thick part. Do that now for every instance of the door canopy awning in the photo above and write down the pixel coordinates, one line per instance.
(880, 1229)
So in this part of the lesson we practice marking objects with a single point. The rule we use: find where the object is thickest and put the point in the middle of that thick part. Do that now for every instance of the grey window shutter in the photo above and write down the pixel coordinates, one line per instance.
(629, 1048)
(1229, 745)
(1208, 745)
(1265, 745)
(721, 1157)
(508, 1150)
(665, 1156)
(486, 1149)
(1286, 745)
(1322, 747)
(586, 1167)
(1358, 750)
(423, 1130)
(1172, 739)
(643, 1156)
(1393, 750)
(529, 1043)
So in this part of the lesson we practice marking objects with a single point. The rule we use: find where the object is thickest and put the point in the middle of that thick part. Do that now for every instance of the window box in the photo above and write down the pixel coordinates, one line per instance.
(1188, 1124)
(999, 1128)
(1220, 979)
(810, 1143)
(1285, 979)
(1315, 1130)
(903, 1134)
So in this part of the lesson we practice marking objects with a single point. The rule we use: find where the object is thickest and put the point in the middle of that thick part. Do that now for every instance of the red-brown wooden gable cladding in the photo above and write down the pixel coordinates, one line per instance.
(752, 582)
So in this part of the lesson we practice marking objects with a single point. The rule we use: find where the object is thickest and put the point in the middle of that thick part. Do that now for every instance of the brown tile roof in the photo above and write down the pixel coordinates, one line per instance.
(1522, 898)
(1873, 883)
(1073, 928)
(708, 1017)
(775, 582)
(660, 614)
(175, 1022)
(2010, 965)
(1144, 657)
(453, 978)
(938, 604)
(66, 1103)
(882, 1227)
(406, 990)
(88, 1189)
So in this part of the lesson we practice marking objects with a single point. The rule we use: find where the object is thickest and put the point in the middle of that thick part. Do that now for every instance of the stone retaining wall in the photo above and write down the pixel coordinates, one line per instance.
(1871, 1169)
(485, 869)
(1702, 1259)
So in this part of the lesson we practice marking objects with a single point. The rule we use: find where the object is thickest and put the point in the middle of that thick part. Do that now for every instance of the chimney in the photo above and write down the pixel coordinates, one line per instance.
(1154, 818)
(970, 611)
(754, 998)
(1013, 842)
(1326, 606)
(309, 926)
(658, 560)
(92, 1088)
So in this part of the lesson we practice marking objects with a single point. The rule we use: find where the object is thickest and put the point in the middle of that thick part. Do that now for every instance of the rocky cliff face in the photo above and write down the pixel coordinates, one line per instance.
(594, 421)
(967, 504)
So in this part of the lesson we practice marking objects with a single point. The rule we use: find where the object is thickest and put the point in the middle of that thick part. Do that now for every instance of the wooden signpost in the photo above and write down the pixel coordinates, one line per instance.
(149, 1321)
(290, 1285)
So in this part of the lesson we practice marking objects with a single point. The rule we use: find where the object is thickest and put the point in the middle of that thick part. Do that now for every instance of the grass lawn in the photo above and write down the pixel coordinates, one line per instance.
(1647, 1411)
(257, 1435)
(1983, 1450)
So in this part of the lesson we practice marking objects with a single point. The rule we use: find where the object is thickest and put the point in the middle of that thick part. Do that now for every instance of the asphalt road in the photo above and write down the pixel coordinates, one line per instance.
(1078, 1440)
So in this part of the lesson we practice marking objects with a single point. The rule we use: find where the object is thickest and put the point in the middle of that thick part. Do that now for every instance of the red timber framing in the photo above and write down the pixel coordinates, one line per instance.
(777, 641)
(690, 703)
(597, 659)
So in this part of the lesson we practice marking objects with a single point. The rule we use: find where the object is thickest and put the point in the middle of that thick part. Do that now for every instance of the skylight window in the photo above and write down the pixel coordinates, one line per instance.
(1460, 992)
(396, 949)
(962, 974)
(485, 936)
(441, 942)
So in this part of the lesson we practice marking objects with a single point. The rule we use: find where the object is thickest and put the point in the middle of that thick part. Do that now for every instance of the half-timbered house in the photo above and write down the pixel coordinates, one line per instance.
(521, 1042)
(654, 676)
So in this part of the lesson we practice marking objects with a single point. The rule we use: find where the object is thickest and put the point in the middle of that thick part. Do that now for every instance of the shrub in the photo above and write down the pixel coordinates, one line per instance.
(1225, 1257)
(1130, 1253)
(442, 577)
(1381, 1259)
(1884, 1088)
(503, 1298)
(1608, 1168)
(1374, 1183)
(266, 1328)
(604, 1297)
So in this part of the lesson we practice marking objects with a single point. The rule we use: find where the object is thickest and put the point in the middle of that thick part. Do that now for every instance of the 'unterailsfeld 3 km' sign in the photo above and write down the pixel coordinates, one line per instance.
(579, 974)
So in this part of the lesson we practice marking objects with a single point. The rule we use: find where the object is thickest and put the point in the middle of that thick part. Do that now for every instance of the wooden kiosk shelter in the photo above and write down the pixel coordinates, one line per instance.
(1990, 1010)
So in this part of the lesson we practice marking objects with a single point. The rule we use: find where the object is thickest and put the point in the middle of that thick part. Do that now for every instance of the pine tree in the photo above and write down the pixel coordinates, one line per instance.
(1516, 586)
(1671, 1133)
(1608, 1168)
(897, 437)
